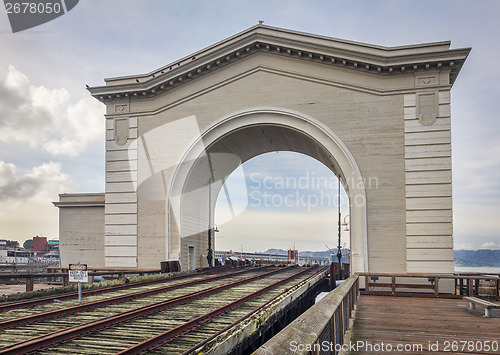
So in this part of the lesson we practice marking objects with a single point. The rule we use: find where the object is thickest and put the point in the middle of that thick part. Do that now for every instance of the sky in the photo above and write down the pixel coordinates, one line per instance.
(52, 130)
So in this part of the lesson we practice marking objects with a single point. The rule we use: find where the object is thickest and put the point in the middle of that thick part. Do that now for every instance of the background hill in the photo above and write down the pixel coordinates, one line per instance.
(481, 257)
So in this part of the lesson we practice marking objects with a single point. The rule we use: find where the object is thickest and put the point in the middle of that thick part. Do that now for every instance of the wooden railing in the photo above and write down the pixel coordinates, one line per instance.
(26, 281)
(431, 285)
(321, 329)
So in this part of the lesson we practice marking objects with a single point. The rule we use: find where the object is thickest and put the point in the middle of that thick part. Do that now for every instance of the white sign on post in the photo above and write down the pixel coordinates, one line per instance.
(78, 273)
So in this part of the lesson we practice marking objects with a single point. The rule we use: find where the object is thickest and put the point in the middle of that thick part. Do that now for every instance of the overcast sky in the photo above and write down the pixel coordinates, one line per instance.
(51, 130)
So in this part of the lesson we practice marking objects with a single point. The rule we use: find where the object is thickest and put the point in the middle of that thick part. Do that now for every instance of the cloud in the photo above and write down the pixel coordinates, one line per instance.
(42, 183)
(26, 199)
(489, 245)
(477, 246)
(46, 118)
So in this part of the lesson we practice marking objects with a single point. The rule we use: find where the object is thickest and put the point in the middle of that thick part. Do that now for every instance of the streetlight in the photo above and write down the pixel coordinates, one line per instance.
(209, 250)
(215, 230)
(339, 246)
(346, 224)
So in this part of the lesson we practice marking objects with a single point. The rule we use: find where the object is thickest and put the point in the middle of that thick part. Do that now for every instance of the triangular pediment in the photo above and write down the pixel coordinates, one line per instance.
(378, 60)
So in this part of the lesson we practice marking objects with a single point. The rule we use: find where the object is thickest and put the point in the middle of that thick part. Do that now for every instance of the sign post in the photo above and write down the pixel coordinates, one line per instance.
(78, 273)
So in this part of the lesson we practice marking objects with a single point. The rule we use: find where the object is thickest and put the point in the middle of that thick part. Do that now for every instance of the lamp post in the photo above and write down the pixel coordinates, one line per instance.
(339, 246)
(346, 224)
(214, 230)
(209, 250)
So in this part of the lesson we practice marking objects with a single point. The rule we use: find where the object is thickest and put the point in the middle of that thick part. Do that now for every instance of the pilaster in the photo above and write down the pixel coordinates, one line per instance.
(429, 215)
(121, 191)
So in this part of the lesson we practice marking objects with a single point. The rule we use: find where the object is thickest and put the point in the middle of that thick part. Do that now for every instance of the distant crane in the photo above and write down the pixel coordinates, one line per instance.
(333, 253)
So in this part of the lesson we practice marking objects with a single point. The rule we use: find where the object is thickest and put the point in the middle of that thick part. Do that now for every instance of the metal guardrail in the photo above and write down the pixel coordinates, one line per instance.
(322, 328)
(431, 285)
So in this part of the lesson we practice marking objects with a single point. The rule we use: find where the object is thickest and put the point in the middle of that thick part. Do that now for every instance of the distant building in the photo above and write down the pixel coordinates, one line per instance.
(14, 256)
(53, 245)
(39, 245)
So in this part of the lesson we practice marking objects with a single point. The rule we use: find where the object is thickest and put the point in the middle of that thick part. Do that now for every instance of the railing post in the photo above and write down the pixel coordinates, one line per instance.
(332, 278)
(341, 309)
(332, 329)
(436, 287)
(29, 283)
(393, 280)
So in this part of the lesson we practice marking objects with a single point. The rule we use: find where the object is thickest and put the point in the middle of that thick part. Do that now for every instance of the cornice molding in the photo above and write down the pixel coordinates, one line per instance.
(350, 55)
(78, 204)
(80, 200)
(324, 81)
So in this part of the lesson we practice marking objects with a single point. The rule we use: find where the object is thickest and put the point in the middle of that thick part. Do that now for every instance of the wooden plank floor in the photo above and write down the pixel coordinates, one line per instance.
(422, 326)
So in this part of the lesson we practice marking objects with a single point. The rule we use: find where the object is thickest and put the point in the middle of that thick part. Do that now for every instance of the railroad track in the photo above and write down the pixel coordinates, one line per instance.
(58, 318)
(34, 302)
(191, 337)
(172, 314)
(34, 317)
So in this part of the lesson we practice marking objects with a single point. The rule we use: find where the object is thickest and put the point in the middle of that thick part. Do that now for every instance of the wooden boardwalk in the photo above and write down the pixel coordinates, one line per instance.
(423, 326)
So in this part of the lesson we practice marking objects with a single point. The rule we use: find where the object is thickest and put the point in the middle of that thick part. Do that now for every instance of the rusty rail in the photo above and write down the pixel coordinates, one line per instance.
(10, 323)
(52, 339)
(180, 330)
(324, 324)
(198, 348)
(7, 306)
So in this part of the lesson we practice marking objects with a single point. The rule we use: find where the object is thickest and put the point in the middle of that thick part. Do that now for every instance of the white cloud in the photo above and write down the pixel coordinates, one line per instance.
(477, 246)
(6, 174)
(42, 183)
(465, 246)
(489, 245)
(26, 206)
(84, 124)
(46, 118)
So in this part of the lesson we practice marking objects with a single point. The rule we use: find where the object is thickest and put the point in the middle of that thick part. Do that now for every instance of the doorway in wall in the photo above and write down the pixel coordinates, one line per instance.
(191, 258)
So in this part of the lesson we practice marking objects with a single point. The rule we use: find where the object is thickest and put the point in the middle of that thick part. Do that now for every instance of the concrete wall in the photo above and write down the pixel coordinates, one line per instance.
(429, 208)
(370, 125)
(81, 229)
(390, 108)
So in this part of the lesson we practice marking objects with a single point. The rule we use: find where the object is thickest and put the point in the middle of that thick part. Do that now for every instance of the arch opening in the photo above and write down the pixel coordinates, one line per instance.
(280, 200)
(232, 141)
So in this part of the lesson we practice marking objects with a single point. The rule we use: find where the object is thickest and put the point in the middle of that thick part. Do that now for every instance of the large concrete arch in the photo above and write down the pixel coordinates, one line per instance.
(365, 111)
(220, 150)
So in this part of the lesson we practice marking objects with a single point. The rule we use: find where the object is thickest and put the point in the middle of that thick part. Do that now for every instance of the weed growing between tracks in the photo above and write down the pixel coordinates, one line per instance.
(86, 286)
